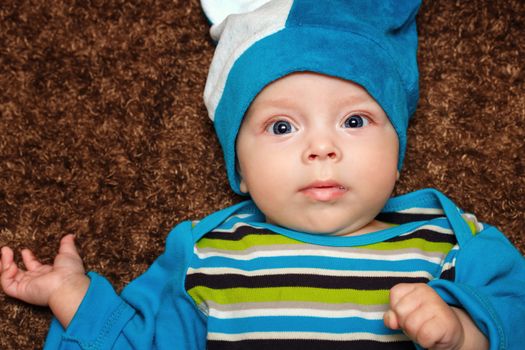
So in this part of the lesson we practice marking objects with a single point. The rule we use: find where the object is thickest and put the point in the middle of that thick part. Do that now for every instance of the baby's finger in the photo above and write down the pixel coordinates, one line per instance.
(429, 336)
(67, 245)
(401, 291)
(390, 320)
(403, 301)
(7, 258)
(30, 261)
(420, 325)
(9, 272)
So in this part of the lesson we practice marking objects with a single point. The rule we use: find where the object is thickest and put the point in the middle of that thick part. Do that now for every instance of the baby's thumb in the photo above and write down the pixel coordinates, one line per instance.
(67, 245)
(390, 320)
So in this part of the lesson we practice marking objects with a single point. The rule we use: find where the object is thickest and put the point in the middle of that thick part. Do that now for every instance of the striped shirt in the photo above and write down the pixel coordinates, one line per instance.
(262, 288)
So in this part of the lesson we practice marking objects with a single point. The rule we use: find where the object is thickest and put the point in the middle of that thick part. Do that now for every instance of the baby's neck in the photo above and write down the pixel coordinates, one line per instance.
(373, 226)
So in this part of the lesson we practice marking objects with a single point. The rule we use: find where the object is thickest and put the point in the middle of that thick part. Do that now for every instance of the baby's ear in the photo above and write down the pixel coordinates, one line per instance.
(242, 184)
(243, 187)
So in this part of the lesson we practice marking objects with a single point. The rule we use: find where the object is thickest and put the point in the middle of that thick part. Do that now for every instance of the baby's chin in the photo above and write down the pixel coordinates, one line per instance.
(327, 228)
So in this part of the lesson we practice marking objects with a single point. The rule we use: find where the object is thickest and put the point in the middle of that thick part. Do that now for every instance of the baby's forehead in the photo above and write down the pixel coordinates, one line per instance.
(293, 90)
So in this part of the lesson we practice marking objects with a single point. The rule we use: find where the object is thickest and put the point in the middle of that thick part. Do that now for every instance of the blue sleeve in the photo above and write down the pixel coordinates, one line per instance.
(490, 286)
(153, 311)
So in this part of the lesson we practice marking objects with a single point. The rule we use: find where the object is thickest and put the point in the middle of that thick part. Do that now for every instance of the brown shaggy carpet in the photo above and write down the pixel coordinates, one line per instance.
(103, 132)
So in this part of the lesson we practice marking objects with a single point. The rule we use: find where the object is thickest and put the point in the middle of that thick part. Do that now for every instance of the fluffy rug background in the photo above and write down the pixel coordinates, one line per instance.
(103, 132)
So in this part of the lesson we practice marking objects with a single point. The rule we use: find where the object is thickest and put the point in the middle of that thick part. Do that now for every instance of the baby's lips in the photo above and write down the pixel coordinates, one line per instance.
(324, 191)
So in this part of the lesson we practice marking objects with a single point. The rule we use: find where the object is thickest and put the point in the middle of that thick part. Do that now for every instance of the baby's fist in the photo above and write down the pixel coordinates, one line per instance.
(421, 313)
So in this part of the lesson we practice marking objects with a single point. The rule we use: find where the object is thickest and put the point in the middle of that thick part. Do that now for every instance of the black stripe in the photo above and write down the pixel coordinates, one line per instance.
(449, 275)
(300, 344)
(403, 218)
(394, 218)
(427, 235)
(239, 233)
(391, 217)
(296, 280)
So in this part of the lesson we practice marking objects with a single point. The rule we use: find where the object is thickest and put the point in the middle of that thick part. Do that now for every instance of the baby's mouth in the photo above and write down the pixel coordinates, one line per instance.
(324, 191)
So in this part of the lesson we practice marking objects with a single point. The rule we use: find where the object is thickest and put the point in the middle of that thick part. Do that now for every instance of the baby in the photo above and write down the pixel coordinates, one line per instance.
(311, 101)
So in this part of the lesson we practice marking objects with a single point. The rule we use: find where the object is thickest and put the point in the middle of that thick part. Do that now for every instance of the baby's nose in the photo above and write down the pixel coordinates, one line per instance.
(322, 155)
(322, 149)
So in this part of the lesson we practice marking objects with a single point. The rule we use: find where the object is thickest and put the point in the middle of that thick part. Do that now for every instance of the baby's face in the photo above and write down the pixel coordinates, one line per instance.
(318, 154)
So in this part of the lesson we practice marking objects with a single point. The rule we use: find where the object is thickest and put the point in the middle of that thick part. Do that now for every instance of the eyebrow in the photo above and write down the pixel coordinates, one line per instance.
(356, 99)
(360, 101)
(276, 102)
(286, 101)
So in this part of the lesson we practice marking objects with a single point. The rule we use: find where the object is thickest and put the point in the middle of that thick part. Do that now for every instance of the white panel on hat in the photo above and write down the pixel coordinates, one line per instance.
(218, 10)
(236, 34)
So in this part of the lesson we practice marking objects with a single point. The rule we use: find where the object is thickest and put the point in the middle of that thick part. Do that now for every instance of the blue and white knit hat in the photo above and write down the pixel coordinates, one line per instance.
(370, 42)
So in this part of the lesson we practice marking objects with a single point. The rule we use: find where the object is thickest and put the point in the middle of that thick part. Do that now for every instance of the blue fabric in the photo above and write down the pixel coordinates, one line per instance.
(372, 43)
(300, 324)
(490, 286)
(390, 24)
(155, 312)
(152, 311)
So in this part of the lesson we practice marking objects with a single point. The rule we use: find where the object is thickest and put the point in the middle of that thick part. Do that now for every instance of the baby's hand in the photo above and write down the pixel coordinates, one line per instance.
(421, 313)
(60, 286)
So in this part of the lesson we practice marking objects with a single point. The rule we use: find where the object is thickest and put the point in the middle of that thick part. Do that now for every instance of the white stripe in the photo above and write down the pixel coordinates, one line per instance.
(439, 229)
(435, 228)
(432, 211)
(239, 216)
(290, 312)
(448, 266)
(306, 335)
(308, 271)
(234, 227)
(396, 256)
(238, 37)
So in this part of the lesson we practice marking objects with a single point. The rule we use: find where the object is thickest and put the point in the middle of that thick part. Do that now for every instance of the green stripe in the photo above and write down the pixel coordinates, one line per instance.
(472, 227)
(413, 243)
(246, 242)
(276, 294)
(269, 240)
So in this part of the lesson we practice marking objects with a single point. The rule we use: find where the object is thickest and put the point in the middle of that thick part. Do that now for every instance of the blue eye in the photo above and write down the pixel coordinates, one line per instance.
(280, 127)
(355, 121)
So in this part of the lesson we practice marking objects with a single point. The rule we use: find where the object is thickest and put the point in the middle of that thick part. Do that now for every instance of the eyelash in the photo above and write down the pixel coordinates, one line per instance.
(271, 126)
(364, 121)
